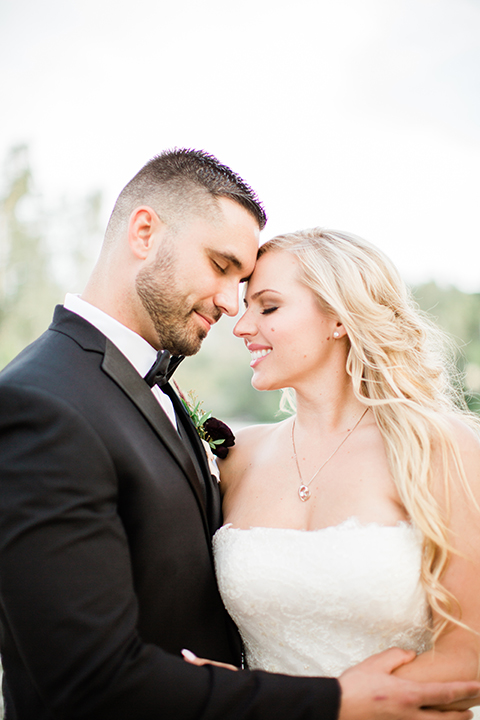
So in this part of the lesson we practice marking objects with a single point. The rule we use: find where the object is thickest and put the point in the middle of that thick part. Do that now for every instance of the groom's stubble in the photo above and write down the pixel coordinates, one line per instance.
(168, 306)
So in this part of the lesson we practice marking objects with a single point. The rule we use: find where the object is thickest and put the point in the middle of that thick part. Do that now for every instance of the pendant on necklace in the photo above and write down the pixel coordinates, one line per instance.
(304, 493)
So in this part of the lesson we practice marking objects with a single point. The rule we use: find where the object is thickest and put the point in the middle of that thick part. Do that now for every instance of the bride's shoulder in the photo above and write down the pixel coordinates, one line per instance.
(248, 441)
(256, 433)
(253, 437)
(464, 431)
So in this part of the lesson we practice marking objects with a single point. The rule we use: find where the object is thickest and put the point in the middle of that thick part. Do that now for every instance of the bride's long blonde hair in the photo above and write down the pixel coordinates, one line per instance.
(400, 368)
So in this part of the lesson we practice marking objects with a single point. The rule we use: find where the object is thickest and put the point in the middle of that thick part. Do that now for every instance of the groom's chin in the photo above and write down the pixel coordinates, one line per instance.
(187, 347)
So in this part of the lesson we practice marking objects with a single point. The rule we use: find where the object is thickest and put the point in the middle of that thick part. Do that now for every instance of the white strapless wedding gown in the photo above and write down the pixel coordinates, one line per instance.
(316, 603)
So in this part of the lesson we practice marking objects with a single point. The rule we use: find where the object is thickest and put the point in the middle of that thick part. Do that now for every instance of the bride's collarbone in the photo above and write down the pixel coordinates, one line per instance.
(268, 496)
(264, 488)
(261, 501)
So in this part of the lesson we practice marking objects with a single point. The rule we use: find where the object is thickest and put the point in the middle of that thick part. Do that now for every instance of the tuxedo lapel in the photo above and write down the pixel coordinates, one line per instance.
(117, 367)
(121, 371)
(211, 486)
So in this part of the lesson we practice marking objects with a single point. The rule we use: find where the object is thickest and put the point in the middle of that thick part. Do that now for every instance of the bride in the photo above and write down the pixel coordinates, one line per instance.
(351, 526)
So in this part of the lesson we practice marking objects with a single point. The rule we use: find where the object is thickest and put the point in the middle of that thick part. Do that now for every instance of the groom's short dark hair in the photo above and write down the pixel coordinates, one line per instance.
(180, 182)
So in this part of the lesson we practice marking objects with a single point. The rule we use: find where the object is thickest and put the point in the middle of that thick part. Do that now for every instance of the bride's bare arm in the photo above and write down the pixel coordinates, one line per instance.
(456, 655)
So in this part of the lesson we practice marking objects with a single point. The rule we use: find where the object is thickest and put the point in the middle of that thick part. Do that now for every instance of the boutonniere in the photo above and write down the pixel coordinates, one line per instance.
(214, 432)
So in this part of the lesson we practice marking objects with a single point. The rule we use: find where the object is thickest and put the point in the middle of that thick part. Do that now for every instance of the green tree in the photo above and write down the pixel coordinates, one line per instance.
(42, 254)
(27, 289)
(457, 313)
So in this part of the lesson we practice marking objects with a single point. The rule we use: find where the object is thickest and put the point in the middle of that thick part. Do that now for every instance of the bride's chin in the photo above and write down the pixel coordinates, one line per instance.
(258, 384)
(262, 384)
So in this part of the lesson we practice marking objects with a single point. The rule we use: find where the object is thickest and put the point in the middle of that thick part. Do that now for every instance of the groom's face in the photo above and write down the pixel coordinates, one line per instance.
(195, 276)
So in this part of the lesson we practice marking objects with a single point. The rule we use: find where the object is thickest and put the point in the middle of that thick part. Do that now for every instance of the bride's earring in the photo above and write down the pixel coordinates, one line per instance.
(336, 334)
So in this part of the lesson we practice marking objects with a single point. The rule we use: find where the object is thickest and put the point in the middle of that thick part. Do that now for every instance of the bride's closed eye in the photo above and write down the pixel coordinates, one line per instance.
(267, 311)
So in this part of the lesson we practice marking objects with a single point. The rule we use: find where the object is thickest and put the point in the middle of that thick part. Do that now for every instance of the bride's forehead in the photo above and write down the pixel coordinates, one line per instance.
(274, 269)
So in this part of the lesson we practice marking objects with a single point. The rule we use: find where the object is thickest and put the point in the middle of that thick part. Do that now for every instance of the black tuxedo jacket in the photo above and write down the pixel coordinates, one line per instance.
(106, 571)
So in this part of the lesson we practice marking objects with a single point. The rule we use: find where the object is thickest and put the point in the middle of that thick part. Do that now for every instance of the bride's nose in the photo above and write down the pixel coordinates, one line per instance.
(245, 326)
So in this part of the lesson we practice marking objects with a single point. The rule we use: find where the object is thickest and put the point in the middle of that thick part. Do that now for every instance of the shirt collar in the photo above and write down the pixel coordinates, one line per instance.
(135, 348)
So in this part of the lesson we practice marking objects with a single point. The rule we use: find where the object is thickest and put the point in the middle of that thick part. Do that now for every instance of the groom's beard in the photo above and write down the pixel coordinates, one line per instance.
(173, 318)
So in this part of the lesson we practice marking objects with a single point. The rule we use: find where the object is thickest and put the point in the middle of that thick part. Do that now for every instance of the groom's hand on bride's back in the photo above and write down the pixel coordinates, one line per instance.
(371, 692)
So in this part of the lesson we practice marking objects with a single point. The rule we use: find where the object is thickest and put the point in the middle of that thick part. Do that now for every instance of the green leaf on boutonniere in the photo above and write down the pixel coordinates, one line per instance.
(215, 432)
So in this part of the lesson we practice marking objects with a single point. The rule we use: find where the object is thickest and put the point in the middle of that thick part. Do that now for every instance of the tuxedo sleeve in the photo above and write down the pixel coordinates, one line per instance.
(68, 604)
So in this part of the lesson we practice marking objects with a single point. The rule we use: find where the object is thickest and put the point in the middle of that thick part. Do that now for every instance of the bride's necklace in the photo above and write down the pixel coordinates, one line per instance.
(304, 489)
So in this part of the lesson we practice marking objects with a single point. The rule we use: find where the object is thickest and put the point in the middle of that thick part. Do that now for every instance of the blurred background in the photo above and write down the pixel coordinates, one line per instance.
(358, 115)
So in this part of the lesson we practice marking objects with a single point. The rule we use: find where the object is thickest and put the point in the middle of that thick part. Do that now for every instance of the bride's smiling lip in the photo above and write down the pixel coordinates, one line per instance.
(258, 353)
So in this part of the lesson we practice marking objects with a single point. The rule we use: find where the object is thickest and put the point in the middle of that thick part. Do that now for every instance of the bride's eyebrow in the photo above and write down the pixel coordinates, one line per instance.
(256, 295)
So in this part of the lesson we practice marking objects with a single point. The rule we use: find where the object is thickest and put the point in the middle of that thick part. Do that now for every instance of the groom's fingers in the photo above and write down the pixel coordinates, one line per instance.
(369, 691)
(388, 660)
(463, 704)
(444, 694)
(450, 715)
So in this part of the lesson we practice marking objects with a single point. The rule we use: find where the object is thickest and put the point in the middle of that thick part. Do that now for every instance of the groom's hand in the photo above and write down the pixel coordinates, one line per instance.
(371, 692)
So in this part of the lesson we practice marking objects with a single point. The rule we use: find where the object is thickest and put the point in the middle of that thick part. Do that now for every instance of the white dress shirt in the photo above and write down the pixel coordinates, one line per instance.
(137, 350)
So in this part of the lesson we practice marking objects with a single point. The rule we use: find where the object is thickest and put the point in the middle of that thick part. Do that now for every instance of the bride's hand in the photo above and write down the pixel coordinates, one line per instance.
(191, 658)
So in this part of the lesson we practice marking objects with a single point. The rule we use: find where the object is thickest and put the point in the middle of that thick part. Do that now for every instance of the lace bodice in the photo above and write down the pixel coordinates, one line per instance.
(316, 603)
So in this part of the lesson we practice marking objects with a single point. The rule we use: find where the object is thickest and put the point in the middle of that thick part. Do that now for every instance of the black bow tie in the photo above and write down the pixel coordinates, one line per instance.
(163, 368)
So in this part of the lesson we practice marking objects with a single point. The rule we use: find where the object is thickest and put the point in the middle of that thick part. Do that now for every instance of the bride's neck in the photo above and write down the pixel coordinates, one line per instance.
(328, 411)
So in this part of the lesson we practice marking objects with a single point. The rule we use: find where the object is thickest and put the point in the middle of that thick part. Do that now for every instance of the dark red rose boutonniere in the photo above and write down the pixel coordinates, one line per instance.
(219, 436)
(214, 432)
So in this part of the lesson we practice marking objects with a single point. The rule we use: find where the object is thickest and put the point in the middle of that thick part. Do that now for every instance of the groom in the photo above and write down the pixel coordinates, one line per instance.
(107, 506)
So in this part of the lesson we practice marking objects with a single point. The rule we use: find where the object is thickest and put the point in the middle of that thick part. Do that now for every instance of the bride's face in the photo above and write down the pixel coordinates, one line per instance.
(289, 337)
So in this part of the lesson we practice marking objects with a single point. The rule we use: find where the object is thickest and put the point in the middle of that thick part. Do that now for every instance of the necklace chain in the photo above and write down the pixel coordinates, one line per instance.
(304, 489)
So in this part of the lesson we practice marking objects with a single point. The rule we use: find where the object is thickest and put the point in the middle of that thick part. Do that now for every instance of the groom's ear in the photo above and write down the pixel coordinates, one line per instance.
(144, 227)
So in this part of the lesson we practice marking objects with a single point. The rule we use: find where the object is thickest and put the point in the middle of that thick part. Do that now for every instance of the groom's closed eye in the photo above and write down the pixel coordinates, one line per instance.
(224, 260)
(220, 268)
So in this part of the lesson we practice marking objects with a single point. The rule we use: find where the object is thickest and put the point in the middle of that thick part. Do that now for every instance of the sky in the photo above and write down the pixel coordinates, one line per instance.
(355, 115)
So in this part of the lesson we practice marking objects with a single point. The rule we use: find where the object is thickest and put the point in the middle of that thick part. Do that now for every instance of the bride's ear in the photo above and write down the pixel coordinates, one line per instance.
(339, 331)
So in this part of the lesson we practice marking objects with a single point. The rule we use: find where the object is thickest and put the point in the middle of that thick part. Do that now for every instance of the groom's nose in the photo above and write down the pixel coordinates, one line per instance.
(227, 299)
